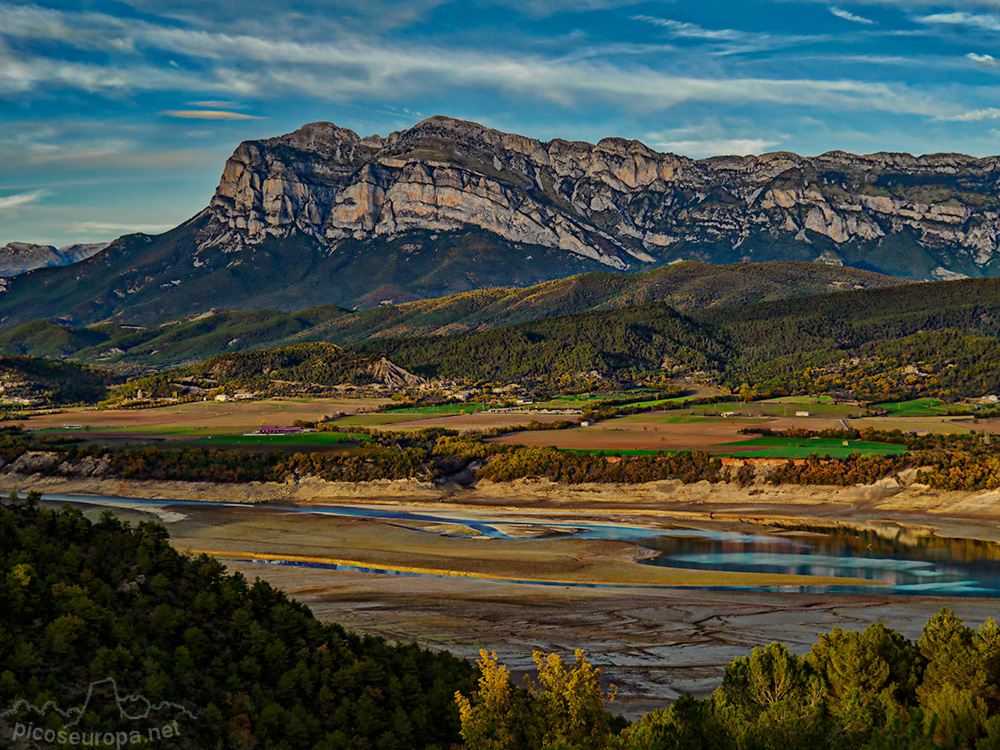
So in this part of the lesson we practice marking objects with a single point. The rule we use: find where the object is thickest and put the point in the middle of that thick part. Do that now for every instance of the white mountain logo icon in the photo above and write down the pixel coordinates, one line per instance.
(28, 720)
(132, 707)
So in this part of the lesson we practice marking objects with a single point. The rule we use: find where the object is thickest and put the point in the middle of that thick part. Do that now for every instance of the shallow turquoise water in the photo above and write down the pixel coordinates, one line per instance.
(938, 566)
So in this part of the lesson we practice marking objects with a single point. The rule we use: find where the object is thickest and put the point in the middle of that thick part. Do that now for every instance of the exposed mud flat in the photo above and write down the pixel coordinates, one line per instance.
(653, 644)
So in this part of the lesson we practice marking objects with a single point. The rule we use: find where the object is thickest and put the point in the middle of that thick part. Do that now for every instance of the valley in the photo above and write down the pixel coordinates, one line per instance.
(521, 375)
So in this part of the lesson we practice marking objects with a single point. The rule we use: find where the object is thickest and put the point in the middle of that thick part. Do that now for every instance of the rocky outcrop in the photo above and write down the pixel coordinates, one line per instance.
(20, 257)
(618, 202)
(388, 373)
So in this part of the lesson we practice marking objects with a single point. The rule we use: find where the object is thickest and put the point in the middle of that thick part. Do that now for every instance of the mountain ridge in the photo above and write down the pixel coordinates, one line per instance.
(322, 216)
(618, 202)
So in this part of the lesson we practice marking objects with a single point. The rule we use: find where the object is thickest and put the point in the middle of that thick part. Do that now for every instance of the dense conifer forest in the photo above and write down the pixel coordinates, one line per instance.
(84, 602)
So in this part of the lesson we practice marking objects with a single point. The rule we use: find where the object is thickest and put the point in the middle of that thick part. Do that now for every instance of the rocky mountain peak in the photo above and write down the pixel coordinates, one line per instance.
(318, 137)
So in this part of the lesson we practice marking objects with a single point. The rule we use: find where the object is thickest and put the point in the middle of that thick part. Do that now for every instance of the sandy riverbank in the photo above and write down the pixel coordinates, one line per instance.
(954, 513)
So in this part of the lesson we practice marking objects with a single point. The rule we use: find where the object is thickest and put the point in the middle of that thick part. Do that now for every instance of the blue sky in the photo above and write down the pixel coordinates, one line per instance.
(118, 116)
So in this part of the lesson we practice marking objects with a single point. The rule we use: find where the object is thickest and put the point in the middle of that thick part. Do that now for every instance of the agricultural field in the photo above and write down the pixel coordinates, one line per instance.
(778, 447)
(199, 419)
(464, 423)
(693, 427)
(613, 436)
(941, 425)
(717, 437)
(414, 414)
(308, 441)
(922, 407)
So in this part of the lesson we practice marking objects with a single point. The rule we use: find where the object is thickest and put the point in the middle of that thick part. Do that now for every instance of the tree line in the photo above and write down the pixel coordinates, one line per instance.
(947, 462)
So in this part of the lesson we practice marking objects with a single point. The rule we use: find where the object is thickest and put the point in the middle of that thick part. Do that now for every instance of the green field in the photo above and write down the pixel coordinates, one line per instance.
(440, 411)
(772, 447)
(812, 400)
(674, 400)
(753, 410)
(411, 414)
(922, 407)
(303, 439)
(567, 402)
(777, 447)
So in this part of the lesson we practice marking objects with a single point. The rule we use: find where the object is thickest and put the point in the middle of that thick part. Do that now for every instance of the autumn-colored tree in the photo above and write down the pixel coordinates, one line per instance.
(568, 704)
(563, 710)
(494, 717)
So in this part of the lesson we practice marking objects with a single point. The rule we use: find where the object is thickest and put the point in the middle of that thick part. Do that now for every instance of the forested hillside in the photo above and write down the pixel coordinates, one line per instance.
(84, 602)
(684, 286)
(876, 345)
(27, 380)
(935, 339)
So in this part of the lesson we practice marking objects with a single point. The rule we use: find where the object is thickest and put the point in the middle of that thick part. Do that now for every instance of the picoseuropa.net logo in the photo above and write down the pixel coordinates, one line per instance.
(135, 721)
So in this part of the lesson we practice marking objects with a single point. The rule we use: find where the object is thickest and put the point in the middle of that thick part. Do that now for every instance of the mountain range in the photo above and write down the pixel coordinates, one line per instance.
(322, 216)
(20, 257)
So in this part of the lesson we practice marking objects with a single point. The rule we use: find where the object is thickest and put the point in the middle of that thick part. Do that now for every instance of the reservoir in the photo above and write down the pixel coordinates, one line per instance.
(921, 566)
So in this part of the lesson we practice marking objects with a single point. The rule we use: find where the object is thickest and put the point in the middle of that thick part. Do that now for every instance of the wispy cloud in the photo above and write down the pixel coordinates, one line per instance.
(976, 115)
(848, 16)
(340, 71)
(987, 60)
(21, 199)
(217, 104)
(729, 42)
(690, 30)
(91, 228)
(208, 114)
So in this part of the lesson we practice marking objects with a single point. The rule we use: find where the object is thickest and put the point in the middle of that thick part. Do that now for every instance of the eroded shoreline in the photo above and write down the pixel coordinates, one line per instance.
(887, 505)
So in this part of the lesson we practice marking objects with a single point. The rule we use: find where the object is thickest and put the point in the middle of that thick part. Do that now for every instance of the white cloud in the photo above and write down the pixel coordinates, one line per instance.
(910, 4)
(350, 67)
(976, 115)
(848, 16)
(987, 60)
(208, 114)
(21, 199)
(217, 104)
(717, 147)
(976, 20)
(690, 30)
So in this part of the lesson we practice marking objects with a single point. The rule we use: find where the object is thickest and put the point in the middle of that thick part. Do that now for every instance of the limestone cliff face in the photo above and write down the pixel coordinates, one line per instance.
(618, 202)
